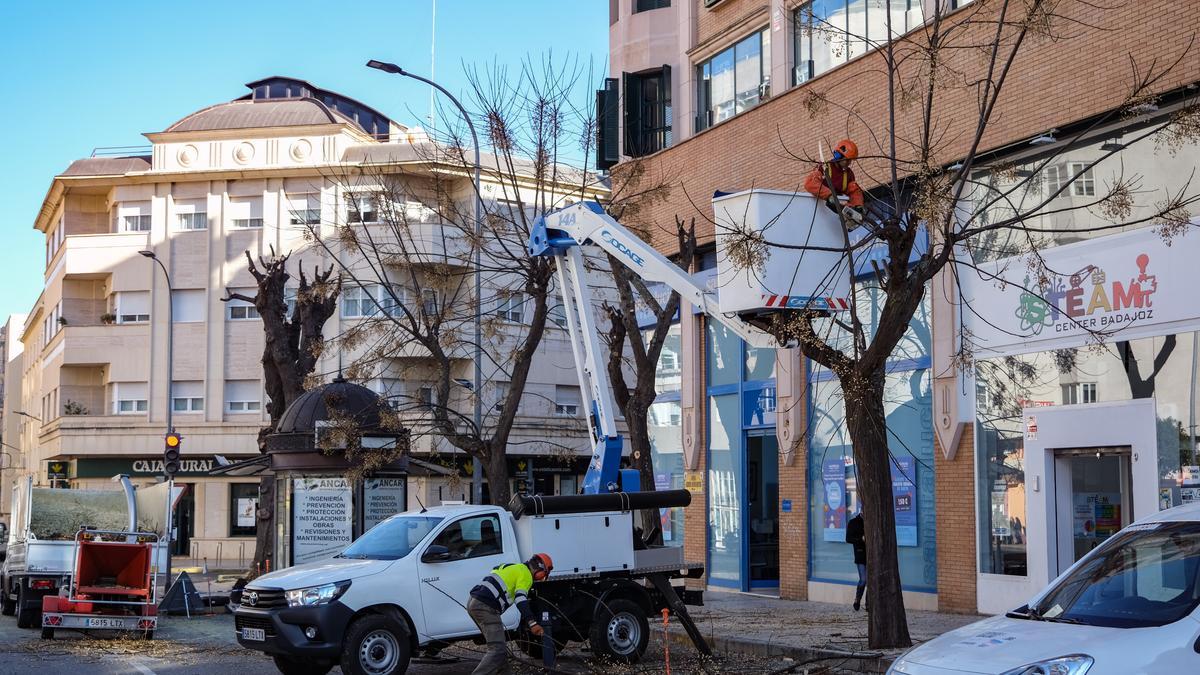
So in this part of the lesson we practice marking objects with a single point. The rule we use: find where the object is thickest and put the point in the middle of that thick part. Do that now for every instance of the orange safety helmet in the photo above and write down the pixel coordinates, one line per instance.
(845, 149)
(540, 565)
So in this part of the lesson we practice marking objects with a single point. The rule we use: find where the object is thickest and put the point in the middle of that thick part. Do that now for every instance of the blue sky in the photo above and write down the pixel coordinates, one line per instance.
(79, 75)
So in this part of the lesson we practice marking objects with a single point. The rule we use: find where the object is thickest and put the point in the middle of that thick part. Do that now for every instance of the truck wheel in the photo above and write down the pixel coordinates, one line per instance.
(47, 633)
(620, 632)
(8, 606)
(376, 644)
(289, 666)
(25, 615)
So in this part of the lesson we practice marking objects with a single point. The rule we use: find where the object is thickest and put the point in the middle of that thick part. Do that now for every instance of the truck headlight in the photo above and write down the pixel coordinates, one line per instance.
(1075, 664)
(316, 595)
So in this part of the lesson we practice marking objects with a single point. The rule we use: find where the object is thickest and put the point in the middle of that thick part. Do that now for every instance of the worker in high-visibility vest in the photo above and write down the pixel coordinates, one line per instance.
(507, 585)
(833, 181)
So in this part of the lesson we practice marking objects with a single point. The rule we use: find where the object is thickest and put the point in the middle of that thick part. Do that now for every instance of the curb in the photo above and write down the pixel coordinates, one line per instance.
(859, 662)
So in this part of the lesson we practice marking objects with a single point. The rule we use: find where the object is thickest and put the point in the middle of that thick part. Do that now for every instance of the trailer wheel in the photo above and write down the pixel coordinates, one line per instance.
(290, 666)
(25, 614)
(47, 633)
(620, 631)
(376, 644)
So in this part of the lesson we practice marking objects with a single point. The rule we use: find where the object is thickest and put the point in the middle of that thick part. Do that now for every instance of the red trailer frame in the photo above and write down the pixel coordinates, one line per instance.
(114, 585)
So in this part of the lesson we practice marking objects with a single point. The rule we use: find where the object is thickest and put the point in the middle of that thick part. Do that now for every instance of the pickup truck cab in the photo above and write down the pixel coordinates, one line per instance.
(1130, 606)
(402, 587)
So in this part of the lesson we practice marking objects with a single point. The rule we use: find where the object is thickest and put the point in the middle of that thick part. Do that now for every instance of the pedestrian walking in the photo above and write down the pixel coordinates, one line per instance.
(856, 537)
(507, 585)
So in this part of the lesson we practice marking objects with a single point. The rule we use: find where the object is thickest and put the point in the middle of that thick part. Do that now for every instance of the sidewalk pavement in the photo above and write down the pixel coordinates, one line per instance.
(764, 626)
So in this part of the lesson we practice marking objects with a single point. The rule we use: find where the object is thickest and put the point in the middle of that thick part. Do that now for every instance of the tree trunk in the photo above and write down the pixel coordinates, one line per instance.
(637, 421)
(496, 470)
(264, 538)
(887, 625)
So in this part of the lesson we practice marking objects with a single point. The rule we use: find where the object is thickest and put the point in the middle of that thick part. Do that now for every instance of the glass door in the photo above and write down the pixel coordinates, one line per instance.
(1093, 487)
(762, 512)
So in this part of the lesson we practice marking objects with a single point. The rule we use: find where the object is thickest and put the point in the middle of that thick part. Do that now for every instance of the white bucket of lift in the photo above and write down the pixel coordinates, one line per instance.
(789, 278)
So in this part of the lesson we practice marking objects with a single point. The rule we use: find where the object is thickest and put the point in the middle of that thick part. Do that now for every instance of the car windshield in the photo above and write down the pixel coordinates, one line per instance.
(392, 539)
(1148, 575)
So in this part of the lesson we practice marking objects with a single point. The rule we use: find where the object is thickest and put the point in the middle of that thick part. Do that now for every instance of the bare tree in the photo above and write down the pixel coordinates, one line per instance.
(625, 338)
(408, 252)
(294, 344)
(975, 204)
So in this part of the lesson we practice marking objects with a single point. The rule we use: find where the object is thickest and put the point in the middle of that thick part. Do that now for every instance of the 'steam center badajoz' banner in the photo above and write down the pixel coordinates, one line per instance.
(1122, 286)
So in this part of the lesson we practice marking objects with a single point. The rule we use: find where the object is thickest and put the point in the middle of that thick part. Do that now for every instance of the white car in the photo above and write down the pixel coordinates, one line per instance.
(1129, 606)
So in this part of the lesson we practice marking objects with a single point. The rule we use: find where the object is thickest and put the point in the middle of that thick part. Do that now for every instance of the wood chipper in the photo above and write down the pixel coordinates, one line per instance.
(113, 587)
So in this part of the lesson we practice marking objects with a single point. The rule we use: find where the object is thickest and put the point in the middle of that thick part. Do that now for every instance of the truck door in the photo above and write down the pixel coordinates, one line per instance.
(461, 555)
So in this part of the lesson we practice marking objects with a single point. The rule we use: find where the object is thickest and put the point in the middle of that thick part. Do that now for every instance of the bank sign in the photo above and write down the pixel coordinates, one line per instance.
(107, 467)
(1117, 287)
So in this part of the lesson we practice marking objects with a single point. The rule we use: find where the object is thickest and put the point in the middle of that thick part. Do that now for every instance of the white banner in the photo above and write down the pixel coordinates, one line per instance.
(1122, 287)
(382, 499)
(322, 518)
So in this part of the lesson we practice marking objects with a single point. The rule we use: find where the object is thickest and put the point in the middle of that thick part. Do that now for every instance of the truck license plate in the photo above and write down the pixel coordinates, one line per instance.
(105, 623)
(256, 634)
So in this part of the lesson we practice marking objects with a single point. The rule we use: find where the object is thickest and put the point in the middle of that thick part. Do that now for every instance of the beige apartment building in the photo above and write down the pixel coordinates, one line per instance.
(246, 175)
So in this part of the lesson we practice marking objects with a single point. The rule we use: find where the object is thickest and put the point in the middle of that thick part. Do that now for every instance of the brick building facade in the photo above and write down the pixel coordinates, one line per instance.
(766, 136)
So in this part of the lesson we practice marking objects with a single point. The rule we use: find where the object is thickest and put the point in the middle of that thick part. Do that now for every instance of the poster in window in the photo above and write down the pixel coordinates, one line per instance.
(245, 511)
(322, 518)
(833, 518)
(382, 499)
(904, 499)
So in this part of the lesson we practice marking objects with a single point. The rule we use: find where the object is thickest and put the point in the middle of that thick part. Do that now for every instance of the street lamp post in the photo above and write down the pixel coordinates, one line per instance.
(477, 473)
(170, 425)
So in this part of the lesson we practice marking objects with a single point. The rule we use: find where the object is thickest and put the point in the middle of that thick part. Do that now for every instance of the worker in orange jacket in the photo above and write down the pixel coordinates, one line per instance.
(836, 179)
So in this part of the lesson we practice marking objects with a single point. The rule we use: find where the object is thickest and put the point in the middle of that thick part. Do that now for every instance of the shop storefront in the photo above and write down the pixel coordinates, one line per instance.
(1085, 382)
(215, 517)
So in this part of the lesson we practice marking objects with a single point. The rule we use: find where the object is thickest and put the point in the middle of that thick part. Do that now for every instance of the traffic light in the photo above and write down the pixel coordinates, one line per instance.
(171, 454)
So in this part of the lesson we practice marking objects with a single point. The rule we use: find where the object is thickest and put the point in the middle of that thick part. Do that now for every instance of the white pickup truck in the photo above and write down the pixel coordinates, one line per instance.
(401, 589)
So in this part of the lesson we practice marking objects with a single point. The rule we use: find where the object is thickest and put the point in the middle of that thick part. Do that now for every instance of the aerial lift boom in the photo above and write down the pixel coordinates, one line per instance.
(561, 235)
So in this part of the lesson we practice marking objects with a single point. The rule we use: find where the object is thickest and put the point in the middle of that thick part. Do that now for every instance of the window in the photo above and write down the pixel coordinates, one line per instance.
(366, 301)
(829, 33)
(240, 310)
(429, 301)
(500, 393)
(1079, 392)
(305, 209)
(187, 306)
(735, 80)
(475, 537)
(392, 539)
(243, 396)
(191, 215)
(558, 316)
(647, 111)
(133, 217)
(392, 390)
(1084, 184)
(187, 397)
(361, 209)
(246, 212)
(511, 307)
(425, 397)
(567, 401)
(1141, 578)
(132, 306)
(129, 398)
(289, 299)
(1054, 177)
(647, 5)
(243, 509)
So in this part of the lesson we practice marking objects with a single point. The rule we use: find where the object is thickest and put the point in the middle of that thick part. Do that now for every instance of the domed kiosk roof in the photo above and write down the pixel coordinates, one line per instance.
(337, 400)
(294, 445)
